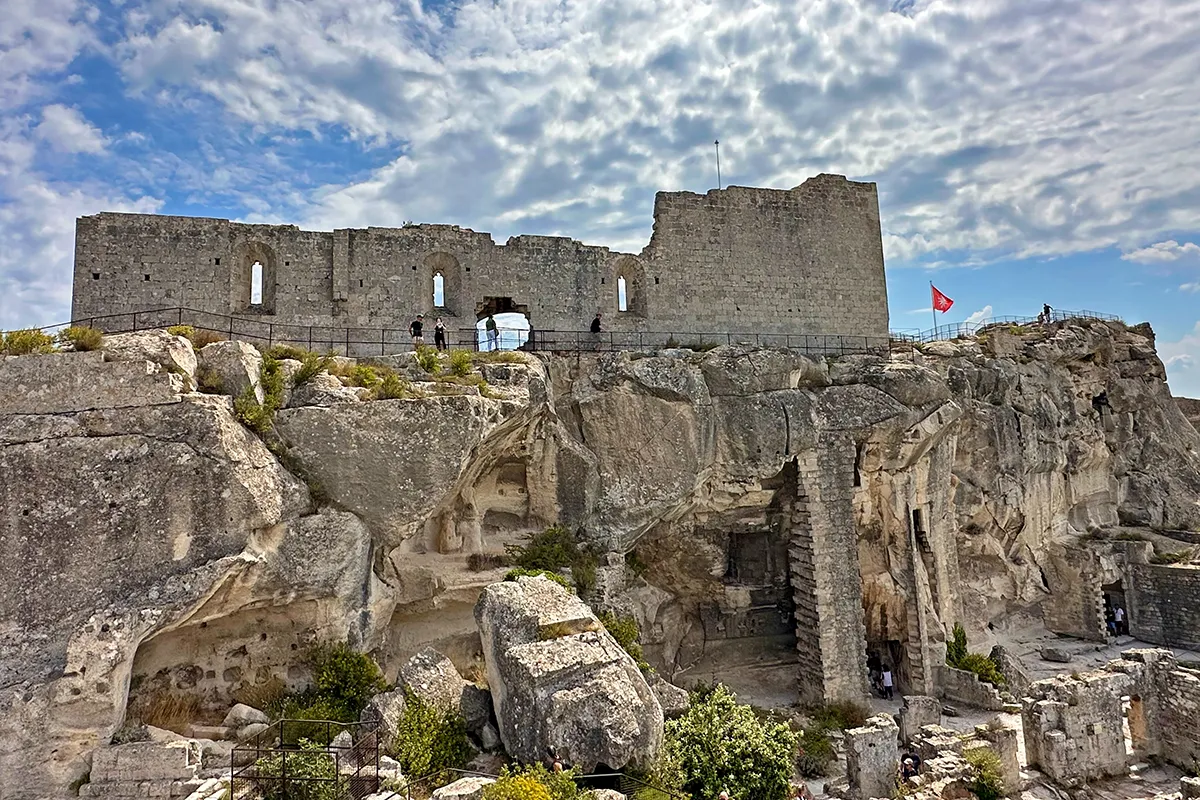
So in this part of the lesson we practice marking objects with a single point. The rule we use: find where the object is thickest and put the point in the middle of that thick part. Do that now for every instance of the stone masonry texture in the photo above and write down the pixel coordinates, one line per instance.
(808, 260)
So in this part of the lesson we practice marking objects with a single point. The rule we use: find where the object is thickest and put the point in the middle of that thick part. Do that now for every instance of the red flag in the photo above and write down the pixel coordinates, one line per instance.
(940, 301)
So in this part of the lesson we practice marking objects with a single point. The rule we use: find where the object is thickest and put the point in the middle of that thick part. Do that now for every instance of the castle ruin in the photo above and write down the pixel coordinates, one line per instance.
(808, 260)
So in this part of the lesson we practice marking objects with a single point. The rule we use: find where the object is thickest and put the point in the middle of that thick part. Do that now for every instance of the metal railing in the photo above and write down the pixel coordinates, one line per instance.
(274, 764)
(960, 330)
(367, 341)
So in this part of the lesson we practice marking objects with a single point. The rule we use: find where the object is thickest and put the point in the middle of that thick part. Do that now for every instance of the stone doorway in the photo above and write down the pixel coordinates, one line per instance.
(513, 327)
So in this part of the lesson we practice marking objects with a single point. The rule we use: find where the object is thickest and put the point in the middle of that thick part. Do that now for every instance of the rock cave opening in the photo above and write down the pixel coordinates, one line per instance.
(1116, 612)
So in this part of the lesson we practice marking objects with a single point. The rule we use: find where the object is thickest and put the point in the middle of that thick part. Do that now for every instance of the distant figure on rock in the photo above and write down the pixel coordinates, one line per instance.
(417, 330)
(1044, 318)
(887, 682)
(596, 323)
(439, 334)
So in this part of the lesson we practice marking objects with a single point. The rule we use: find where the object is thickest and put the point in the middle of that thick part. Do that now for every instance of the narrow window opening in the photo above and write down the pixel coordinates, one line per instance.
(146, 277)
(439, 290)
(656, 281)
(622, 295)
(217, 261)
(287, 263)
(414, 267)
(917, 525)
(858, 454)
(95, 276)
(360, 283)
(256, 284)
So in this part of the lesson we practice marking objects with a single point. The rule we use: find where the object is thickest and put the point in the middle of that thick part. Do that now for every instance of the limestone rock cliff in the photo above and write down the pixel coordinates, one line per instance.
(769, 518)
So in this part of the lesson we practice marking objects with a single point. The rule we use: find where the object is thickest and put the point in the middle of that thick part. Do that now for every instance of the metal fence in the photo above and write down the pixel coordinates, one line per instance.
(367, 341)
(277, 764)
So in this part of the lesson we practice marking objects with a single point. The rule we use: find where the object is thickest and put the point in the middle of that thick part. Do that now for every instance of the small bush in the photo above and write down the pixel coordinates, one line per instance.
(209, 381)
(840, 715)
(626, 631)
(1129, 536)
(27, 342)
(478, 562)
(310, 774)
(958, 656)
(392, 387)
(815, 753)
(987, 773)
(534, 781)
(427, 359)
(311, 713)
(461, 363)
(289, 351)
(521, 572)
(203, 337)
(311, 366)
(498, 357)
(1178, 557)
(344, 676)
(364, 377)
(186, 331)
(82, 338)
(635, 564)
(429, 739)
(263, 695)
(555, 548)
(722, 745)
(259, 417)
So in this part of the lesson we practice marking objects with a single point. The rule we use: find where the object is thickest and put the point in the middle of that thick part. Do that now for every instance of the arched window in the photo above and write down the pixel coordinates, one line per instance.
(256, 283)
(622, 298)
(631, 286)
(439, 290)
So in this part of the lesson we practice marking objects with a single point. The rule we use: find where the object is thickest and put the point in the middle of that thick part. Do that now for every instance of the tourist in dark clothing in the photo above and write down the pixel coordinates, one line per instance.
(596, 324)
(439, 334)
(417, 330)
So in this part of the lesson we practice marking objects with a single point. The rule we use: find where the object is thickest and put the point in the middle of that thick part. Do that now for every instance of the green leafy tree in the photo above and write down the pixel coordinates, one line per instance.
(721, 745)
(987, 773)
(343, 676)
(429, 739)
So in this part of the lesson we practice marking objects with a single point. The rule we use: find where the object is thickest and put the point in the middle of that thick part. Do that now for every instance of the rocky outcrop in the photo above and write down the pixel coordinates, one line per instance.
(230, 368)
(560, 681)
(767, 518)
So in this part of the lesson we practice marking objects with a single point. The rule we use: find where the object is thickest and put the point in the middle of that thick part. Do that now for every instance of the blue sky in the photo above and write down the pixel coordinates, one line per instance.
(1025, 152)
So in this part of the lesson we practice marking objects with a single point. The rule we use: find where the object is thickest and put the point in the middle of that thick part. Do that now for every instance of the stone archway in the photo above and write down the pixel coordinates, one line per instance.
(514, 327)
(254, 279)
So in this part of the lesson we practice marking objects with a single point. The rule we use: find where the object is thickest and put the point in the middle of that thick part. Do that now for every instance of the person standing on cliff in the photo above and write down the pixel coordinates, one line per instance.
(1046, 312)
(417, 330)
(439, 334)
(492, 332)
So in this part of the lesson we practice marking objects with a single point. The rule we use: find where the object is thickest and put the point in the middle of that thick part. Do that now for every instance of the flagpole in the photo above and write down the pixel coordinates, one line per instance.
(933, 309)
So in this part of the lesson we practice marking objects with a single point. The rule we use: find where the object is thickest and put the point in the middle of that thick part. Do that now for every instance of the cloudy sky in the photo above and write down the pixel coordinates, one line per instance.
(1026, 151)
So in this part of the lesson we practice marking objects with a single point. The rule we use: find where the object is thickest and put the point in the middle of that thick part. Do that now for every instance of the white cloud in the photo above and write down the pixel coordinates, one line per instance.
(1162, 252)
(66, 131)
(1190, 288)
(982, 314)
(37, 38)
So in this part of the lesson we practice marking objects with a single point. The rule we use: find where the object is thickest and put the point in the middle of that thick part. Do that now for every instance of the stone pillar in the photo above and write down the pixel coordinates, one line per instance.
(470, 534)
(873, 758)
(448, 539)
(1003, 742)
(917, 712)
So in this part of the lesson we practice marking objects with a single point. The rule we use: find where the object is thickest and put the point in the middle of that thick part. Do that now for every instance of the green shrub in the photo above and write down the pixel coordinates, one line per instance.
(311, 774)
(344, 676)
(987, 781)
(186, 331)
(635, 564)
(555, 548)
(665, 777)
(130, 734)
(203, 337)
(427, 359)
(840, 715)
(478, 562)
(498, 357)
(364, 376)
(721, 745)
(626, 631)
(429, 739)
(521, 572)
(310, 713)
(81, 338)
(289, 351)
(392, 387)
(209, 381)
(1178, 557)
(959, 657)
(535, 781)
(27, 342)
(461, 363)
(311, 366)
(259, 417)
(815, 753)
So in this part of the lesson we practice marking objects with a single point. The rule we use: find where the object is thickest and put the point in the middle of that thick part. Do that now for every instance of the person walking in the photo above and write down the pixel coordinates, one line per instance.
(596, 323)
(1046, 313)
(439, 334)
(1119, 618)
(887, 682)
(417, 331)
(493, 333)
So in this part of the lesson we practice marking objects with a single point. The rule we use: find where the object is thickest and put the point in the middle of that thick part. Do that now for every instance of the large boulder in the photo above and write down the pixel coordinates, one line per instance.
(559, 680)
(463, 789)
(322, 389)
(230, 368)
(172, 353)
(385, 711)
(433, 677)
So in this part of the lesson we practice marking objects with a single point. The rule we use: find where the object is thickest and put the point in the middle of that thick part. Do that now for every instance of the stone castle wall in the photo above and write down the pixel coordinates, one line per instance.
(740, 260)
(1162, 605)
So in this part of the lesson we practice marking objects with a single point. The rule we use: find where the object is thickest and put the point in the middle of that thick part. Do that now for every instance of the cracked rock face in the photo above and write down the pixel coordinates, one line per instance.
(765, 501)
